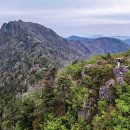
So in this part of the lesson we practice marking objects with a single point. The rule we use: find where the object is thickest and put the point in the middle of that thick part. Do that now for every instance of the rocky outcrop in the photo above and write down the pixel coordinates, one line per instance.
(106, 92)
(119, 73)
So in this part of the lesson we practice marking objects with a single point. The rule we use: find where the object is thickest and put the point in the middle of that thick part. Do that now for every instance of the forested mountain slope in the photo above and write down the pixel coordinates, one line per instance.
(28, 50)
(88, 95)
(36, 95)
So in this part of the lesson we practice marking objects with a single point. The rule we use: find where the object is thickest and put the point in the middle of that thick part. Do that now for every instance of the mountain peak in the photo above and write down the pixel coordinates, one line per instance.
(12, 28)
(19, 28)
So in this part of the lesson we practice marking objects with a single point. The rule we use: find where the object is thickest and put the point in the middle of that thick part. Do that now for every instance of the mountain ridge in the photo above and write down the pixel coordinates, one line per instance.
(27, 47)
(38, 93)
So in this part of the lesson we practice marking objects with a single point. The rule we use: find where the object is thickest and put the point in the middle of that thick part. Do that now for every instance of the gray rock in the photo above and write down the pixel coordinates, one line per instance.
(119, 72)
(120, 80)
(106, 92)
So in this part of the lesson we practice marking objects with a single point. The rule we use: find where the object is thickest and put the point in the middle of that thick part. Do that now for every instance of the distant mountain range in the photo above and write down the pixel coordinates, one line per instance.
(125, 39)
(102, 45)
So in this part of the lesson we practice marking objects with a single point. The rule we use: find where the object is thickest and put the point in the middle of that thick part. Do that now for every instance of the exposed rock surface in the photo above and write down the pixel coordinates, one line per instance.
(106, 91)
(119, 73)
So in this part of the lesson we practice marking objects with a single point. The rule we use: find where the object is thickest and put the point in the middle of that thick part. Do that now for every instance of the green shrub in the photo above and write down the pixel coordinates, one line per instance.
(39, 73)
(127, 77)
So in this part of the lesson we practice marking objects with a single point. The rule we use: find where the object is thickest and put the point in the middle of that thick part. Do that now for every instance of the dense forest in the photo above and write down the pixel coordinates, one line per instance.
(92, 94)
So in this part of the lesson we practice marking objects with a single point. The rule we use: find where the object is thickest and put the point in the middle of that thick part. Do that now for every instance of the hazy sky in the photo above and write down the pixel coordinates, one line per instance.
(71, 17)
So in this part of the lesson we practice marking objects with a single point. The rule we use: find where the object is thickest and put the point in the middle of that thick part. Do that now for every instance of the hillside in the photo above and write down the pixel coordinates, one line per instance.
(88, 95)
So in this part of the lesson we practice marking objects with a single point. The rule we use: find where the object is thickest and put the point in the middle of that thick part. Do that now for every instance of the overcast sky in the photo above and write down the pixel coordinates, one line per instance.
(71, 17)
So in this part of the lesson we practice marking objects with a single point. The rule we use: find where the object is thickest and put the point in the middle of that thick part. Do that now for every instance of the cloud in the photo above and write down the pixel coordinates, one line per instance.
(81, 13)
(68, 13)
